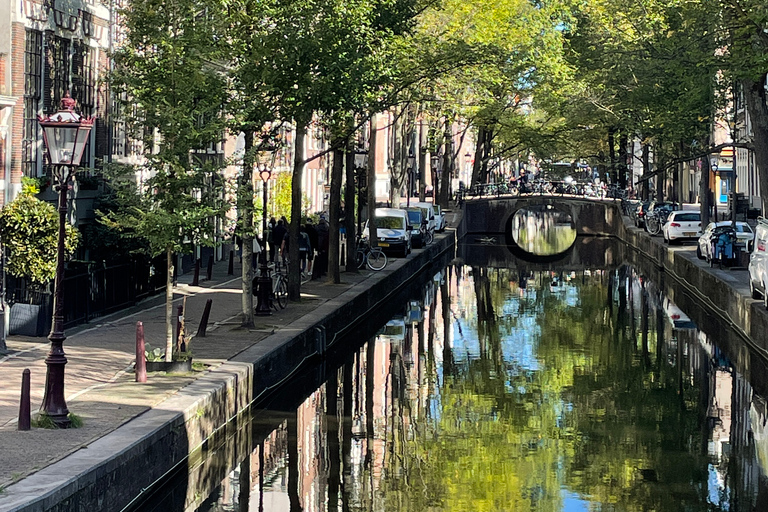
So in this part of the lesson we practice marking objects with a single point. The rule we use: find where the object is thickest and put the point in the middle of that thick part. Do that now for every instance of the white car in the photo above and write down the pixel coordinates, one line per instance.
(681, 225)
(758, 263)
(744, 234)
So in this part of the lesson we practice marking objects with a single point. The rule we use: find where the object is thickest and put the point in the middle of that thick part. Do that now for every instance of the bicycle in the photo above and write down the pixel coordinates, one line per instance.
(373, 257)
(279, 296)
(426, 235)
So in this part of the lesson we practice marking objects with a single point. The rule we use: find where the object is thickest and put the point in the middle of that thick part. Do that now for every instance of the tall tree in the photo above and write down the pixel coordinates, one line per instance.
(165, 71)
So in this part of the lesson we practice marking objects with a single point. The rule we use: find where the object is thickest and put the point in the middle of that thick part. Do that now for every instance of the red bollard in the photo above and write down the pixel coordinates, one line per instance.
(141, 360)
(24, 417)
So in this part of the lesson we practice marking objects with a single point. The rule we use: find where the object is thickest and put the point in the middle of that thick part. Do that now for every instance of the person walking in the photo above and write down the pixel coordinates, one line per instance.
(305, 247)
(278, 235)
(312, 233)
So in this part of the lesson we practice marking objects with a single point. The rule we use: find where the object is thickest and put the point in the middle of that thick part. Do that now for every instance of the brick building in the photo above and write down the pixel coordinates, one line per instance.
(49, 47)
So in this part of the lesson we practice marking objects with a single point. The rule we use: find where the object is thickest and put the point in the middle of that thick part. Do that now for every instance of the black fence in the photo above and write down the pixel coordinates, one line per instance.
(92, 290)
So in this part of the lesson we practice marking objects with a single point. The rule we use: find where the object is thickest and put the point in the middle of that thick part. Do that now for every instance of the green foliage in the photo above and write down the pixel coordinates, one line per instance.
(45, 421)
(29, 231)
(153, 354)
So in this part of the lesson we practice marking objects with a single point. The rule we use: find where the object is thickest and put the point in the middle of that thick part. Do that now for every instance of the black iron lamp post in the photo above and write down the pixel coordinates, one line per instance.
(264, 281)
(361, 166)
(65, 134)
(411, 169)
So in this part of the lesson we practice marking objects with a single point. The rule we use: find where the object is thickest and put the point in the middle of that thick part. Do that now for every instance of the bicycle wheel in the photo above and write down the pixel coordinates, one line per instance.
(280, 293)
(360, 259)
(377, 260)
(428, 237)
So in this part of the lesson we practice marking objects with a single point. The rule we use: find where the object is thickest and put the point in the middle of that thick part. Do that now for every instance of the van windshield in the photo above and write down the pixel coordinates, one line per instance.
(390, 222)
(415, 217)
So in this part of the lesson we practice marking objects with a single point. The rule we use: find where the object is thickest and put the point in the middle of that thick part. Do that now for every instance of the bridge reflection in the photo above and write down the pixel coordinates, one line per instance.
(502, 252)
(542, 230)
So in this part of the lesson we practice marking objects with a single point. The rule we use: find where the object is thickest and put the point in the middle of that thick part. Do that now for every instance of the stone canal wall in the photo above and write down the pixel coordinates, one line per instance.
(723, 292)
(186, 429)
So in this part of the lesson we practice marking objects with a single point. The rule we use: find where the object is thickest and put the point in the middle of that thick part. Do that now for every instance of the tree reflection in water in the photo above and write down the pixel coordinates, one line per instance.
(543, 230)
(575, 392)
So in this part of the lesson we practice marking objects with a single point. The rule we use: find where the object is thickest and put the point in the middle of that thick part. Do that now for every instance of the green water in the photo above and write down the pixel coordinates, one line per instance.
(510, 390)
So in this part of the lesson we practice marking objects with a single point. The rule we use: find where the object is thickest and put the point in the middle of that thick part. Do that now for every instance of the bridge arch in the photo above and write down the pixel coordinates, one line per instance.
(590, 217)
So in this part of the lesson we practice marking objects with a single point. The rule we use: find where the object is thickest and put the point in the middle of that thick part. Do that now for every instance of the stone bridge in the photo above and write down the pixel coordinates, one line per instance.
(590, 216)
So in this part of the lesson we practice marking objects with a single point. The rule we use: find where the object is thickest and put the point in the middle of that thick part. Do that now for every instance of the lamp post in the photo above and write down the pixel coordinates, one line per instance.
(361, 166)
(264, 281)
(65, 134)
(411, 165)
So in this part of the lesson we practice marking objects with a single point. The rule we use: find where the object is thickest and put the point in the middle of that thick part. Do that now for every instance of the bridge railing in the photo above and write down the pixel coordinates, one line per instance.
(541, 187)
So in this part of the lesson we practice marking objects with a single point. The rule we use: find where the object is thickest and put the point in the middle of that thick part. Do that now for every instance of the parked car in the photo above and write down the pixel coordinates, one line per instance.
(393, 230)
(744, 235)
(428, 210)
(415, 216)
(681, 225)
(758, 262)
(676, 317)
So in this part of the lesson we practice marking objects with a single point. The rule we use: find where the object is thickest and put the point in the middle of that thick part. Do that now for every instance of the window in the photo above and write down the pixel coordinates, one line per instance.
(31, 136)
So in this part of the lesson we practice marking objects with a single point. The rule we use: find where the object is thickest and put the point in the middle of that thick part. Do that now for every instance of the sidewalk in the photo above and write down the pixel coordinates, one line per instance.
(99, 379)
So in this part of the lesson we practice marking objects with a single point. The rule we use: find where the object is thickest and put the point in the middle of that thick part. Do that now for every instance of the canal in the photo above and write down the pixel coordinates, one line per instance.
(570, 384)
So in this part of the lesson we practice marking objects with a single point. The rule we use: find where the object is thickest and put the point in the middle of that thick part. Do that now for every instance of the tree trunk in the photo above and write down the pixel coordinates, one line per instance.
(245, 211)
(447, 171)
(622, 164)
(294, 268)
(612, 154)
(349, 207)
(169, 305)
(372, 233)
(645, 196)
(334, 207)
(476, 165)
(705, 201)
(396, 149)
(423, 155)
(755, 95)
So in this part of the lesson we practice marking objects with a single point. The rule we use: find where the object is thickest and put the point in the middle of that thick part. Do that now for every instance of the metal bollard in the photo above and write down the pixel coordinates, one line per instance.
(24, 416)
(204, 320)
(231, 268)
(209, 271)
(196, 279)
(141, 360)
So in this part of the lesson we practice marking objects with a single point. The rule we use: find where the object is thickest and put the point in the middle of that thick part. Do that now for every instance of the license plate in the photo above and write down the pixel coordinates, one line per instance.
(383, 244)
(689, 233)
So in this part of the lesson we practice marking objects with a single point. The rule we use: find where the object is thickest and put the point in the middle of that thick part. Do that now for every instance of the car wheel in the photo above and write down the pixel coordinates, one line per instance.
(405, 250)
(752, 290)
(698, 253)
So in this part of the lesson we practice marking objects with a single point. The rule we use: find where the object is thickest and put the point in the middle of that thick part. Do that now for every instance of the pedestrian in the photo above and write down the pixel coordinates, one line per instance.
(312, 233)
(278, 235)
(256, 251)
(304, 248)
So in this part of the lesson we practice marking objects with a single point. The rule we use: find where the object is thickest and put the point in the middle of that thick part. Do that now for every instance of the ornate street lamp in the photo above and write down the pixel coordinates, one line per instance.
(65, 134)
(264, 281)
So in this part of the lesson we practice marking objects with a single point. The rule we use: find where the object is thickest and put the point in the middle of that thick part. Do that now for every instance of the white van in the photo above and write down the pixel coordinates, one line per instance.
(429, 214)
(393, 230)
(758, 262)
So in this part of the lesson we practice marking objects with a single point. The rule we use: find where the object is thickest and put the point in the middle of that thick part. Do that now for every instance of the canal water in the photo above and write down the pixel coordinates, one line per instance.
(507, 384)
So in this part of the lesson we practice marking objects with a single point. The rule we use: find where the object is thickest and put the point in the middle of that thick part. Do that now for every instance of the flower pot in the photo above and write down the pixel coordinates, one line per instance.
(172, 367)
